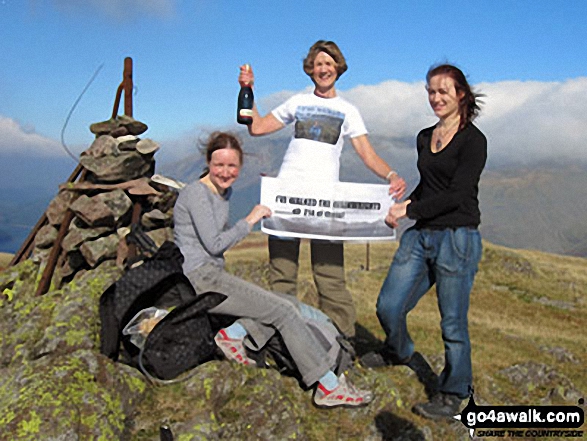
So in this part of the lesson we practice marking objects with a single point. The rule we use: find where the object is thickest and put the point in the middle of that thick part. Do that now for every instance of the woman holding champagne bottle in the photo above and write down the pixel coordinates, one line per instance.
(321, 119)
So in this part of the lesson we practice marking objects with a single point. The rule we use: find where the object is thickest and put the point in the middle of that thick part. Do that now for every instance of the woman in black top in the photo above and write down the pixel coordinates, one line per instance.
(444, 246)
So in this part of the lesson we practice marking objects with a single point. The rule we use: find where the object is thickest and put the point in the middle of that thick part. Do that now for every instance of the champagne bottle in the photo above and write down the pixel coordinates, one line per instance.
(165, 433)
(244, 114)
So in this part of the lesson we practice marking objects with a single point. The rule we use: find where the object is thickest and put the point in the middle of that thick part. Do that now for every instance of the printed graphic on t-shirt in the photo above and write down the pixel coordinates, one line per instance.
(318, 124)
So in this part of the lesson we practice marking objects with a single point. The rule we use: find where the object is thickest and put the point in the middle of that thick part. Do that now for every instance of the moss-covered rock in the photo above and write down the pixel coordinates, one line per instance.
(82, 395)
(55, 385)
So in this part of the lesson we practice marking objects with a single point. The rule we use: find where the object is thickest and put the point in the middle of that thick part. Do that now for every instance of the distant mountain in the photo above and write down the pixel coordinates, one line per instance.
(27, 185)
(542, 208)
(20, 209)
(264, 156)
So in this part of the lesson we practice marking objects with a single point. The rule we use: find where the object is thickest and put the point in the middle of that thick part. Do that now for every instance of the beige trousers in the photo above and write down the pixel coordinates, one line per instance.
(328, 270)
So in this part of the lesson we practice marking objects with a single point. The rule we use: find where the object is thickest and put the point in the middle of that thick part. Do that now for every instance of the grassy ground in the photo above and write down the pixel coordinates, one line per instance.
(526, 307)
(5, 259)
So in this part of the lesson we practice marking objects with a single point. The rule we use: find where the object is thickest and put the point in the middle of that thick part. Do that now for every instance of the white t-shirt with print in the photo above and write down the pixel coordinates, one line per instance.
(320, 125)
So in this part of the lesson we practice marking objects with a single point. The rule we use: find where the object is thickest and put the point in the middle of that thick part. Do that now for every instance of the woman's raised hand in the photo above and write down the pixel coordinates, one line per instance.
(246, 76)
(257, 213)
(397, 187)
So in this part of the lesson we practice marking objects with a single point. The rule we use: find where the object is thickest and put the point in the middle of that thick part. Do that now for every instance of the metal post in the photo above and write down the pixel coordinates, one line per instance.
(27, 246)
(127, 86)
(45, 281)
(135, 220)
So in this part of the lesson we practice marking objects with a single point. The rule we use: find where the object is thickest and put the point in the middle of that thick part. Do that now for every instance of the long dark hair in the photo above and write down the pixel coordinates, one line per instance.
(469, 103)
(217, 141)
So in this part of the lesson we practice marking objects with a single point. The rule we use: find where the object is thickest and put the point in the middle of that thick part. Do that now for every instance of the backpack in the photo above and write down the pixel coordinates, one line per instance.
(184, 338)
(275, 354)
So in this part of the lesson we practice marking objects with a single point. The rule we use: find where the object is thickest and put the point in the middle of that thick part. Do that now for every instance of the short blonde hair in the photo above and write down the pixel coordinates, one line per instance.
(331, 49)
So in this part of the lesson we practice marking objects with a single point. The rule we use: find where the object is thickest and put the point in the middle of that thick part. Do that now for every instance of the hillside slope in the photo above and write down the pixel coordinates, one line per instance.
(527, 320)
(543, 209)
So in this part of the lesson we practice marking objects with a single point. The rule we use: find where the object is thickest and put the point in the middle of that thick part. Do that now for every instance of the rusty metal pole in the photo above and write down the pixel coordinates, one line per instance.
(135, 220)
(367, 257)
(27, 246)
(128, 86)
(45, 282)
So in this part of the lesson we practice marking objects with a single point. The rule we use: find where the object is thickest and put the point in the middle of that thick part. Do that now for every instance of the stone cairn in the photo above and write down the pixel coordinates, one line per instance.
(115, 187)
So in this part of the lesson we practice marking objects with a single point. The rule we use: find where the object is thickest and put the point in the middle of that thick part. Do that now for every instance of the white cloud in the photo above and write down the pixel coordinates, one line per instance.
(529, 121)
(392, 108)
(14, 138)
(122, 9)
(525, 122)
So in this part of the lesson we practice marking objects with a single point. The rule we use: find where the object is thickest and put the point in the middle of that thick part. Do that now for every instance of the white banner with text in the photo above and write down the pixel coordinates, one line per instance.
(330, 211)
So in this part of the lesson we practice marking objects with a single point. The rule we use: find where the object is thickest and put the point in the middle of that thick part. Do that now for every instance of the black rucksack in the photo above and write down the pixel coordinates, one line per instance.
(275, 354)
(182, 340)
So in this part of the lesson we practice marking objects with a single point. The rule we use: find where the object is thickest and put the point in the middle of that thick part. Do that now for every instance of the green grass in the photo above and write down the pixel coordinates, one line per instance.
(519, 295)
(523, 304)
(5, 259)
(518, 313)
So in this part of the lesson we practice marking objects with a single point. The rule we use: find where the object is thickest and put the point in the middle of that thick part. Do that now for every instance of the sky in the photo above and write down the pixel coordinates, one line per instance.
(528, 57)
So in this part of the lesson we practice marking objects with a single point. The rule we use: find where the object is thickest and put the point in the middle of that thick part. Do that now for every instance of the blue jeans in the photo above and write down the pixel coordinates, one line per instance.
(448, 258)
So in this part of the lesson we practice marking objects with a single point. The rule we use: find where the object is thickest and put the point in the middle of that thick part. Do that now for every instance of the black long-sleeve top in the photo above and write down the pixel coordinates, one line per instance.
(447, 195)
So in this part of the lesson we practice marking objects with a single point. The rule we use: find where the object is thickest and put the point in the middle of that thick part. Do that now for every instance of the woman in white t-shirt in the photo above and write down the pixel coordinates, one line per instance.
(322, 119)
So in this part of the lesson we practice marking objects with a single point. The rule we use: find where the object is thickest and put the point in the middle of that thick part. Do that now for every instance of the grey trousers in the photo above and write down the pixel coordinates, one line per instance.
(262, 313)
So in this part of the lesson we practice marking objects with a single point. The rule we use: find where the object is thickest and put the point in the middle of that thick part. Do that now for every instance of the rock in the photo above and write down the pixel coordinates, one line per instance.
(560, 354)
(127, 142)
(40, 255)
(164, 201)
(147, 146)
(539, 378)
(73, 262)
(104, 209)
(54, 384)
(46, 236)
(134, 127)
(126, 166)
(96, 251)
(76, 236)
(113, 126)
(515, 263)
(58, 206)
(118, 202)
(93, 212)
(104, 127)
(161, 235)
(76, 396)
(119, 131)
(560, 304)
(104, 145)
(156, 219)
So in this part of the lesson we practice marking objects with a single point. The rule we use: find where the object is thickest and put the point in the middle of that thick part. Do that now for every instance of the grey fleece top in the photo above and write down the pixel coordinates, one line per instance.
(201, 226)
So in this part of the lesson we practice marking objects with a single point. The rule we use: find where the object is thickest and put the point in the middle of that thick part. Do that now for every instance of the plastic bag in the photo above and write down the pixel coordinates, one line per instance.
(142, 324)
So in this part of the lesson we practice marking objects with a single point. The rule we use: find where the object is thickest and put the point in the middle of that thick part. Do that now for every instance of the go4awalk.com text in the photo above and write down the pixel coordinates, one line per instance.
(523, 421)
